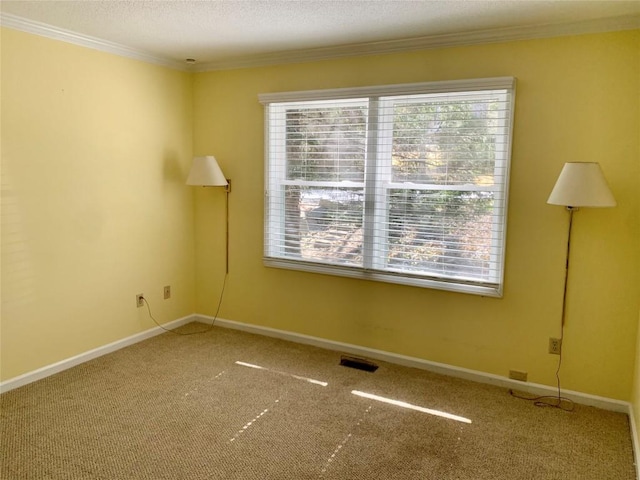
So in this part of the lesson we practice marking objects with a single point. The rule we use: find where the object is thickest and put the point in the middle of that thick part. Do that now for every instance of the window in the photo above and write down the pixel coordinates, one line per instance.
(404, 183)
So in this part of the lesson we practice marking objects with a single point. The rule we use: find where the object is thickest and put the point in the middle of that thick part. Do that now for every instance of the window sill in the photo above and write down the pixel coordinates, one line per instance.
(485, 290)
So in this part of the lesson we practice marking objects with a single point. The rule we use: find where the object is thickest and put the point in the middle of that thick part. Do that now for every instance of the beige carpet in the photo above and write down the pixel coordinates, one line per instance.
(180, 407)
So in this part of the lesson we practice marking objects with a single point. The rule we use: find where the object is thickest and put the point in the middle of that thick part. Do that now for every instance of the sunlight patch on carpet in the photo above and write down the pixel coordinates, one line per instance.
(297, 377)
(335, 452)
(247, 425)
(417, 408)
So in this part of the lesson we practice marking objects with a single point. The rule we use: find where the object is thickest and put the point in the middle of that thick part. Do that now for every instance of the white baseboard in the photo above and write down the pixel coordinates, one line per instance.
(57, 367)
(450, 370)
(453, 371)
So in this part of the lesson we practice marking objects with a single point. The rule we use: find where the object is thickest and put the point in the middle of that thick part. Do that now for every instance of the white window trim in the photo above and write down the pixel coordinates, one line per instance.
(369, 272)
(452, 86)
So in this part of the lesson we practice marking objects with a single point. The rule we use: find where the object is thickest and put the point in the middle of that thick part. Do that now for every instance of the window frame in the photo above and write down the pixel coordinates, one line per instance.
(373, 183)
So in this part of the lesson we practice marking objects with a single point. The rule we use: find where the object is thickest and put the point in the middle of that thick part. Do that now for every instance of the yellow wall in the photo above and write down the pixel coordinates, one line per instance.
(95, 149)
(576, 101)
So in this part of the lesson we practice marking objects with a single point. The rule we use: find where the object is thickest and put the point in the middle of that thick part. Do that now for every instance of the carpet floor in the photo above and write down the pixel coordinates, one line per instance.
(231, 405)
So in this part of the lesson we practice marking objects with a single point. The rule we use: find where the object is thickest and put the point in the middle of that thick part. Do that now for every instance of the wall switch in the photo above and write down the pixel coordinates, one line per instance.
(140, 300)
(518, 375)
(555, 345)
(167, 292)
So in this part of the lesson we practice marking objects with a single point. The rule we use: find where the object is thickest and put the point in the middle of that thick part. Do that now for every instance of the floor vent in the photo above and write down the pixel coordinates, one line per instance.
(358, 363)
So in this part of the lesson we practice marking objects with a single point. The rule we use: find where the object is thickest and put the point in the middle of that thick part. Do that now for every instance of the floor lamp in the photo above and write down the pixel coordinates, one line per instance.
(580, 184)
(205, 172)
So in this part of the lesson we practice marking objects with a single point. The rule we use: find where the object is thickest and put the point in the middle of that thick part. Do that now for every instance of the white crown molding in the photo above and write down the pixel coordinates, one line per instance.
(314, 54)
(425, 43)
(37, 28)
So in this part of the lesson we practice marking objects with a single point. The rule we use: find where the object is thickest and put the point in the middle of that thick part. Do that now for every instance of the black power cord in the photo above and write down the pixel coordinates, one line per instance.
(558, 401)
(210, 327)
(549, 400)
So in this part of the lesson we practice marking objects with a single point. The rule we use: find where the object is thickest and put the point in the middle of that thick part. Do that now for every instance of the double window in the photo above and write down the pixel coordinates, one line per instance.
(403, 183)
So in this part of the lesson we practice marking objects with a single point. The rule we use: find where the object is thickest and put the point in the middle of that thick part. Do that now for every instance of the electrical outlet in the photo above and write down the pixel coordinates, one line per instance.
(167, 292)
(518, 375)
(555, 346)
(140, 300)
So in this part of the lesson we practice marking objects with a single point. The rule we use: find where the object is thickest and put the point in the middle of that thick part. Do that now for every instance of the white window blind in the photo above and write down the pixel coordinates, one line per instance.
(405, 183)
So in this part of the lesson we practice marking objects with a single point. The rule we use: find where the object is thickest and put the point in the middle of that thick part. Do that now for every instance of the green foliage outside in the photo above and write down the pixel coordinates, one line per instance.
(439, 212)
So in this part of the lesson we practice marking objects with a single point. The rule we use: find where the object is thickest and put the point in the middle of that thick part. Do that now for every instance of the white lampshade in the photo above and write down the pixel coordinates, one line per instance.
(206, 172)
(582, 184)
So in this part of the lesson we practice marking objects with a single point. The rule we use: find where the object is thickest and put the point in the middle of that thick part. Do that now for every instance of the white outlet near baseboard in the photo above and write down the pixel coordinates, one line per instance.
(555, 346)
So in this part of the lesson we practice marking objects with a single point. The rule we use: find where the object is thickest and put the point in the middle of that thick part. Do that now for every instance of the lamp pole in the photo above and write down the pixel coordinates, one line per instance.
(566, 269)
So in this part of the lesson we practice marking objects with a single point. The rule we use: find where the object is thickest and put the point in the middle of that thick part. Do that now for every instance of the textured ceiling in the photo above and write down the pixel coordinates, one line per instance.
(224, 30)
